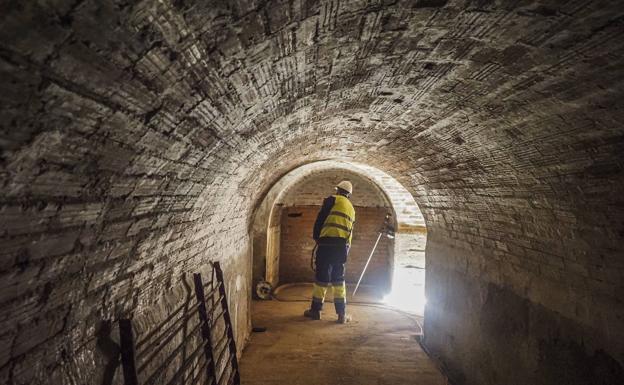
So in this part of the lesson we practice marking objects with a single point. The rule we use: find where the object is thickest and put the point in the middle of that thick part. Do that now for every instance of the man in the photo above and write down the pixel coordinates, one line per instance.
(332, 232)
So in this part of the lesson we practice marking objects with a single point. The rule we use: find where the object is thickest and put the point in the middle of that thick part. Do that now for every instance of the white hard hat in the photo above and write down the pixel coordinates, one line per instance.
(345, 185)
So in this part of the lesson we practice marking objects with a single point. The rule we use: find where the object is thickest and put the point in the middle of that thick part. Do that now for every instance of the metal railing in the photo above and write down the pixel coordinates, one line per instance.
(194, 344)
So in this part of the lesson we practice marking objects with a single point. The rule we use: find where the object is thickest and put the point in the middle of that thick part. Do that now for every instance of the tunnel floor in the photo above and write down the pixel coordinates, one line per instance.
(378, 347)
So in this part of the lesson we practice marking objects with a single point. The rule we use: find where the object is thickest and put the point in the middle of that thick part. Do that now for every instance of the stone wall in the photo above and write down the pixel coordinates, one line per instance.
(476, 323)
(297, 244)
(301, 202)
(311, 190)
(137, 139)
(309, 185)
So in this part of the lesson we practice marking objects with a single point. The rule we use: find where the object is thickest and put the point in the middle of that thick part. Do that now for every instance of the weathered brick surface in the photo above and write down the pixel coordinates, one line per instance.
(304, 197)
(297, 244)
(312, 189)
(308, 185)
(503, 119)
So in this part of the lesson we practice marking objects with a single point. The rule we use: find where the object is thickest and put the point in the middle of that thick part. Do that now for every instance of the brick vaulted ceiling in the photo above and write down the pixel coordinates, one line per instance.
(137, 136)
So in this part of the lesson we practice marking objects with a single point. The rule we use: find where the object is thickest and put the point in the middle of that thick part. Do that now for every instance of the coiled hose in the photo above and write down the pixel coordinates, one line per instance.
(410, 316)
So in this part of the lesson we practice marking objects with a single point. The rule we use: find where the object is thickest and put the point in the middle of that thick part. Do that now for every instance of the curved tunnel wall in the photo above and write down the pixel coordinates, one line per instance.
(383, 190)
(136, 139)
(300, 205)
(304, 186)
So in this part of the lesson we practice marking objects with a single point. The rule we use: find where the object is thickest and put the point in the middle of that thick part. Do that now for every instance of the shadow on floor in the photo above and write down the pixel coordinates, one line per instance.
(378, 347)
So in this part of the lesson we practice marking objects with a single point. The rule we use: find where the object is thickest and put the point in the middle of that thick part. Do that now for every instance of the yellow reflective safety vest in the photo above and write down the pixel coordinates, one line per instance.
(339, 222)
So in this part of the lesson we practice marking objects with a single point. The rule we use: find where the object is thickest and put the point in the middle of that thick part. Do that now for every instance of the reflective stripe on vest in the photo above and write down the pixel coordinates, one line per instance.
(339, 222)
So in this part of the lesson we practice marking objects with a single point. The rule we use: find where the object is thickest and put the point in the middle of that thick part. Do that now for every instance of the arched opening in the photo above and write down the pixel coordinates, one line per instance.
(138, 138)
(299, 205)
(282, 228)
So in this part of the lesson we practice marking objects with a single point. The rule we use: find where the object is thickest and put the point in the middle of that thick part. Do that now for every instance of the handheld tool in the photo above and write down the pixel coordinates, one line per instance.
(388, 230)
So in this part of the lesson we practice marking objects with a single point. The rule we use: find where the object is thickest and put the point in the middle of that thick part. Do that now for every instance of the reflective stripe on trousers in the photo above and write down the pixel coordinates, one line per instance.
(339, 291)
(329, 271)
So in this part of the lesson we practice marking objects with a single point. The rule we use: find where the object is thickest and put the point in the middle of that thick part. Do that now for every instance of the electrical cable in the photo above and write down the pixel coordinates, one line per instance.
(313, 258)
(441, 367)
(406, 314)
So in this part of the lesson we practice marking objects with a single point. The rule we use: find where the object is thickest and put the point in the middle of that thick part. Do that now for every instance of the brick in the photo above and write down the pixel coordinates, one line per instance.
(21, 220)
(52, 245)
(137, 143)
(42, 329)
(16, 283)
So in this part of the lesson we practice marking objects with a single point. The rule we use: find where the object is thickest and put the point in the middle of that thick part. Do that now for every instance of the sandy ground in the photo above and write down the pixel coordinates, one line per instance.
(378, 347)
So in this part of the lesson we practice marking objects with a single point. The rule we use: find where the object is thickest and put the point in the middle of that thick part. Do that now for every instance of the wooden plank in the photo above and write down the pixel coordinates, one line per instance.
(205, 328)
(127, 352)
(228, 323)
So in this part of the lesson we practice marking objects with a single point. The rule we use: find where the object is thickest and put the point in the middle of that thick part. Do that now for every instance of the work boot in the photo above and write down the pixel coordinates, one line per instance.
(314, 314)
(343, 318)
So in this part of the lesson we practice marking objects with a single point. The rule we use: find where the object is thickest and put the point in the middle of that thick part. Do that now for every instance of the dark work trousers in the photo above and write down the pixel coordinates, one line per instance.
(330, 270)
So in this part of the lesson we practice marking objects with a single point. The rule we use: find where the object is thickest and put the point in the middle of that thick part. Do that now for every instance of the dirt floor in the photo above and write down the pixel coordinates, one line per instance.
(378, 347)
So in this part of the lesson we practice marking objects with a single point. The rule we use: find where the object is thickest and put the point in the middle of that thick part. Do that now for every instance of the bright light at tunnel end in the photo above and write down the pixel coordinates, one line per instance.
(406, 302)
(408, 293)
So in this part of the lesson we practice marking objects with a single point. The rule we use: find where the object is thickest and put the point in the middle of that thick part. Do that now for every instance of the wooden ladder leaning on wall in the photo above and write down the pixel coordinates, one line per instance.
(214, 332)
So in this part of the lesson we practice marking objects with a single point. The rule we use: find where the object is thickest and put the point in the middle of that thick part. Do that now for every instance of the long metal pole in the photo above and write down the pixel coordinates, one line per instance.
(366, 266)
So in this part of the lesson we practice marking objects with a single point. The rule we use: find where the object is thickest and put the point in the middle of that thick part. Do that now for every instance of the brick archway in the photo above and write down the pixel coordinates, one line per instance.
(407, 249)
(138, 138)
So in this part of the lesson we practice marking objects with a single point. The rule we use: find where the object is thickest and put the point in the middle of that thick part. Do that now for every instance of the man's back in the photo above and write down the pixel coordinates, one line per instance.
(332, 232)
